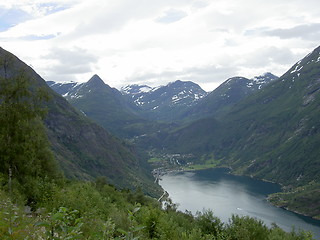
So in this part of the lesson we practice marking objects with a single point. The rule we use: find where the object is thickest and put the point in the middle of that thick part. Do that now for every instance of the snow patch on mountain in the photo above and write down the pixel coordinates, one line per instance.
(135, 89)
(173, 94)
(297, 69)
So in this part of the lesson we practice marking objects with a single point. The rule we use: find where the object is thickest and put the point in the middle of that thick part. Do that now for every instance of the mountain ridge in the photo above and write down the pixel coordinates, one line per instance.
(273, 134)
(218, 102)
(164, 102)
(174, 101)
(270, 130)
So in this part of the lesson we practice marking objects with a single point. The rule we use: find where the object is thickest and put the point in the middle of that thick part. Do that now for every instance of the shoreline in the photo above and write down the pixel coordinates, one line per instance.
(267, 198)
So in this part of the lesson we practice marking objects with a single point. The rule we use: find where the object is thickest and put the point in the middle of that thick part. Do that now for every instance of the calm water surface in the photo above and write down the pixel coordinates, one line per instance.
(227, 194)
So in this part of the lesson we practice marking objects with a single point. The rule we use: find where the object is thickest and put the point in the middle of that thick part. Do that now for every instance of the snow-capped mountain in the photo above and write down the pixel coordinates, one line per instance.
(246, 84)
(98, 101)
(164, 102)
(230, 92)
(66, 89)
(260, 81)
(74, 90)
(135, 89)
(154, 103)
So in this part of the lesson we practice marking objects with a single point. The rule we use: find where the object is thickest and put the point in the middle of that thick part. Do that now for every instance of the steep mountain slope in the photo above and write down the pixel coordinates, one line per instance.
(283, 135)
(106, 106)
(279, 126)
(272, 128)
(224, 97)
(165, 102)
(273, 134)
(83, 149)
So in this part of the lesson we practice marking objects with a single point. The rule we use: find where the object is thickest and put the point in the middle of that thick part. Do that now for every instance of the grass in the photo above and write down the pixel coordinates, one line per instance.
(155, 160)
(200, 166)
(206, 165)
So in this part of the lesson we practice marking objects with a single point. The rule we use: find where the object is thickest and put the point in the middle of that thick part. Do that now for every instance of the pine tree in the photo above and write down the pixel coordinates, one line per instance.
(25, 154)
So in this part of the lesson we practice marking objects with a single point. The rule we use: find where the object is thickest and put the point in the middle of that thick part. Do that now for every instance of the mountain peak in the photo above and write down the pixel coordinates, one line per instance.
(95, 80)
(266, 74)
(266, 77)
(237, 79)
(163, 102)
(135, 89)
(177, 82)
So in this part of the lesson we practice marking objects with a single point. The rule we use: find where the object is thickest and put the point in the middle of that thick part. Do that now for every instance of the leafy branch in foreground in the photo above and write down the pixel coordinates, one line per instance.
(63, 224)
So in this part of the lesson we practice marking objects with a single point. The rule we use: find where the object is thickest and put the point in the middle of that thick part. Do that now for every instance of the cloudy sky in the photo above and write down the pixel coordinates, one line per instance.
(154, 42)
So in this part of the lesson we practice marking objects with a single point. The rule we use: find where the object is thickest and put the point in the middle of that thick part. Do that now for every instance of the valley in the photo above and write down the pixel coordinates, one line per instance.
(159, 120)
(265, 128)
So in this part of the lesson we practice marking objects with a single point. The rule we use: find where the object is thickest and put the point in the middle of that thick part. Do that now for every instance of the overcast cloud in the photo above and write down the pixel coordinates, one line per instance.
(159, 41)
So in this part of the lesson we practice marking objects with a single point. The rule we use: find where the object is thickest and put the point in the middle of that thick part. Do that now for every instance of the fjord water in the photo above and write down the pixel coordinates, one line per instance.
(228, 194)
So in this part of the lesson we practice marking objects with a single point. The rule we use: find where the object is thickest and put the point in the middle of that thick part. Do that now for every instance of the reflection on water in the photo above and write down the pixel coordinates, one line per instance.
(227, 194)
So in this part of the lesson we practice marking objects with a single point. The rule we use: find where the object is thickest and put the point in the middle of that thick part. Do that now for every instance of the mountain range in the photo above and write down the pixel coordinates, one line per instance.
(164, 102)
(102, 103)
(135, 104)
(138, 101)
(272, 134)
(265, 127)
(275, 126)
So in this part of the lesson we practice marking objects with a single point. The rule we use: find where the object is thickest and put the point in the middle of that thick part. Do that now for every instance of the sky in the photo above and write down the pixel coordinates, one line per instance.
(155, 42)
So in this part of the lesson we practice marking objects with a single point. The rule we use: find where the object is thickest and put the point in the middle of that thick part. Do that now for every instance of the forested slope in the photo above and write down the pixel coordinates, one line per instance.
(83, 149)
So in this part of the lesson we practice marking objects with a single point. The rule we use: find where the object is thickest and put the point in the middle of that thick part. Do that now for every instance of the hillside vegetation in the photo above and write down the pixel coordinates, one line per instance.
(83, 149)
(272, 134)
(38, 202)
(96, 210)
(266, 127)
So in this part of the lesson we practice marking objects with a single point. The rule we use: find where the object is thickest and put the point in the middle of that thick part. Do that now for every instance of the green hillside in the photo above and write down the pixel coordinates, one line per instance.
(83, 210)
(38, 202)
(272, 134)
(275, 133)
(83, 149)
(105, 105)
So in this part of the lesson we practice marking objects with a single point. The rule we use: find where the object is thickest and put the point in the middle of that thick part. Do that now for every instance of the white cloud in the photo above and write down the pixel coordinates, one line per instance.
(155, 42)
(66, 64)
(171, 15)
(307, 31)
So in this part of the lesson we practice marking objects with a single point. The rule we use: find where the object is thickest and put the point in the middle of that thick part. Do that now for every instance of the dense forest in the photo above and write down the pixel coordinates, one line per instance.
(38, 202)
